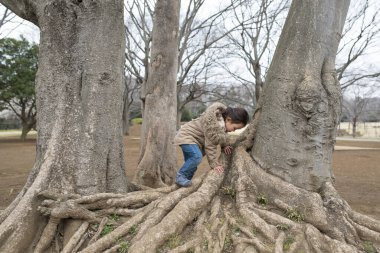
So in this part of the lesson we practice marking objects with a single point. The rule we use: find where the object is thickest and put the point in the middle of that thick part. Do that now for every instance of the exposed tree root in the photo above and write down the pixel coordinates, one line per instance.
(245, 210)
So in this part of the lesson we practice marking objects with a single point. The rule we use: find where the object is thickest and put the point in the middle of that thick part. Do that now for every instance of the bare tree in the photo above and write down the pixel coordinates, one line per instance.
(158, 160)
(132, 87)
(201, 47)
(360, 37)
(355, 107)
(6, 16)
(253, 42)
(138, 28)
(200, 44)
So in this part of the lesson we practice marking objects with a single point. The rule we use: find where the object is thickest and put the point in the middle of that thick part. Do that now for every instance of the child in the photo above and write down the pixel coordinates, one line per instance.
(202, 136)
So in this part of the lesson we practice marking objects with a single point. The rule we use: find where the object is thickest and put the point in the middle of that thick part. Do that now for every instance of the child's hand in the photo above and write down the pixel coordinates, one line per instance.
(227, 150)
(219, 169)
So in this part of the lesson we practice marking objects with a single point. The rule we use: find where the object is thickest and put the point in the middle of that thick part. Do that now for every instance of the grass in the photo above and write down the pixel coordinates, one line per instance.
(205, 244)
(173, 241)
(294, 215)
(228, 241)
(262, 200)
(137, 121)
(108, 228)
(114, 217)
(133, 230)
(368, 247)
(287, 243)
(124, 246)
(9, 130)
(236, 230)
(229, 191)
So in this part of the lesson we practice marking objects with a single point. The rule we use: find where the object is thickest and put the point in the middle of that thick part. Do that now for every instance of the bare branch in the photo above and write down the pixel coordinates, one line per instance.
(25, 9)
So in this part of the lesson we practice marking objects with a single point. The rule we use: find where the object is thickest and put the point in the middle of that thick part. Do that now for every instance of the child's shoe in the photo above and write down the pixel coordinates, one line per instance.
(182, 181)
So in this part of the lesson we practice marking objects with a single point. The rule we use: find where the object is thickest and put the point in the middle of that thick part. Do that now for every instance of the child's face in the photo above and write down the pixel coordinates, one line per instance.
(230, 127)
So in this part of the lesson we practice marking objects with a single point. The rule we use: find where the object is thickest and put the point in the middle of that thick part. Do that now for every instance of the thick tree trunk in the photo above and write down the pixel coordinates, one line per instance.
(302, 97)
(157, 163)
(79, 103)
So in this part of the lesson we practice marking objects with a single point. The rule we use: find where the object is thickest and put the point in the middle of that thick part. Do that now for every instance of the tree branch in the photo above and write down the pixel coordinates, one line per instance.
(25, 9)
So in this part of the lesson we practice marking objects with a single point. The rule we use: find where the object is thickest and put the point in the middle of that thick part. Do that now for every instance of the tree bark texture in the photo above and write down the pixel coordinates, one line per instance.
(79, 90)
(301, 100)
(157, 162)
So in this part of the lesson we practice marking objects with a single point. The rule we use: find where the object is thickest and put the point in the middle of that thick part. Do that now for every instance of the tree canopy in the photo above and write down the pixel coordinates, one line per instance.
(18, 67)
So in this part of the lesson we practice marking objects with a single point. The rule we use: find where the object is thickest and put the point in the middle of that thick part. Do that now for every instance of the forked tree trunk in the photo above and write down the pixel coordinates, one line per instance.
(301, 100)
(79, 99)
(157, 162)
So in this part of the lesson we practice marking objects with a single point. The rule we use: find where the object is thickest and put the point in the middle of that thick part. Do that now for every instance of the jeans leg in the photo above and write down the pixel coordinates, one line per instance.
(193, 157)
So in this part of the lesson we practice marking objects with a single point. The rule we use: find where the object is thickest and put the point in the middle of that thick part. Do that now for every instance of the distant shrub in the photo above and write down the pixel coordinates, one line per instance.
(186, 115)
(137, 121)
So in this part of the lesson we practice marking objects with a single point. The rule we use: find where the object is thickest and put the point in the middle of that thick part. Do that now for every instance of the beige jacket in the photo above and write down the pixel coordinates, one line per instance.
(207, 131)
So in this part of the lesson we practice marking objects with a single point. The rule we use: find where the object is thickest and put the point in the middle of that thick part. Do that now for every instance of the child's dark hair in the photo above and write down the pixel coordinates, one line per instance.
(237, 115)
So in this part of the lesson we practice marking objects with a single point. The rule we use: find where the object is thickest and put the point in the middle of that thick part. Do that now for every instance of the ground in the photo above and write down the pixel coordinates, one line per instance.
(357, 172)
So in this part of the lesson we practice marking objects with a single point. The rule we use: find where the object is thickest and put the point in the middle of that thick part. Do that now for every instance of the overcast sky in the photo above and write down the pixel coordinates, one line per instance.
(18, 27)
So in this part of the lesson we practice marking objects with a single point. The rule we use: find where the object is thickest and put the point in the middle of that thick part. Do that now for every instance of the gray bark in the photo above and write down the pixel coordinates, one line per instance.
(79, 103)
(157, 162)
(302, 98)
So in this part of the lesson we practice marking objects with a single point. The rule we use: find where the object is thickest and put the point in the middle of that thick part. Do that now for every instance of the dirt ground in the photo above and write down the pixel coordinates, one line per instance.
(357, 172)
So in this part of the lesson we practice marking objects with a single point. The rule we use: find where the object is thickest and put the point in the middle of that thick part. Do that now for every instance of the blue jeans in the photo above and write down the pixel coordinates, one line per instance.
(193, 157)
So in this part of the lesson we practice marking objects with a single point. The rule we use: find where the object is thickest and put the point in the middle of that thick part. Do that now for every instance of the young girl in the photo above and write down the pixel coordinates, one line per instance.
(202, 136)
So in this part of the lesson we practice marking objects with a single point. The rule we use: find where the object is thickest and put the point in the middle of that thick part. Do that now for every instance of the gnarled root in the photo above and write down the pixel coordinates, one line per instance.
(246, 210)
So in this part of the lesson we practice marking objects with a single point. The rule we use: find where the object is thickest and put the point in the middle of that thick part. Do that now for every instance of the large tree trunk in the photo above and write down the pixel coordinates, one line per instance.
(157, 162)
(301, 100)
(79, 103)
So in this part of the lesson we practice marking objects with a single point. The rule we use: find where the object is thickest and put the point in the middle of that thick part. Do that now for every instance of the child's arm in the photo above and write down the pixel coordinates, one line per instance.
(213, 130)
(211, 151)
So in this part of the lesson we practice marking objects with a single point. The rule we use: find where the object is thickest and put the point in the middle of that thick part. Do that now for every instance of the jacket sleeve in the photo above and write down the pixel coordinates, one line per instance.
(213, 131)
(212, 155)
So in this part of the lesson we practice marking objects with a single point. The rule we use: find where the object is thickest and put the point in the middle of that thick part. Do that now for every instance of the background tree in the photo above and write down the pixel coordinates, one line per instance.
(360, 37)
(355, 108)
(6, 17)
(158, 160)
(132, 87)
(253, 43)
(79, 89)
(18, 67)
(200, 43)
